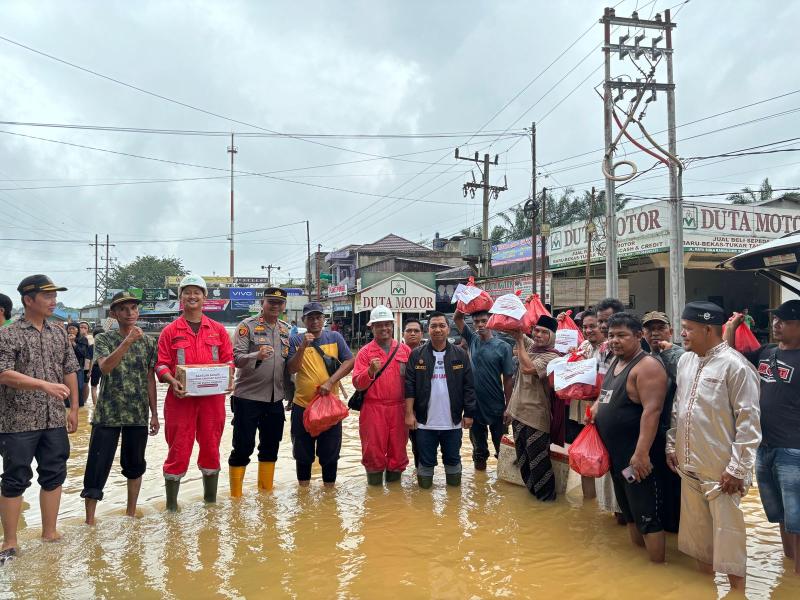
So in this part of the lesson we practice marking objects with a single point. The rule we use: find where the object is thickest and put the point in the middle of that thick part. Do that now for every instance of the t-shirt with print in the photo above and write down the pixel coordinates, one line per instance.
(780, 395)
(123, 400)
(439, 415)
(312, 371)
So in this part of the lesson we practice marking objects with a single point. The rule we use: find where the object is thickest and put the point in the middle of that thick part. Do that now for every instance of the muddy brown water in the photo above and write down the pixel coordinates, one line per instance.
(488, 539)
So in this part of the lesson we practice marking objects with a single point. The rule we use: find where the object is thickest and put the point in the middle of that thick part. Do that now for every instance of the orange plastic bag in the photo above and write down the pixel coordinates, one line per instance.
(324, 412)
(533, 310)
(479, 304)
(587, 454)
(579, 391)
(568, 323)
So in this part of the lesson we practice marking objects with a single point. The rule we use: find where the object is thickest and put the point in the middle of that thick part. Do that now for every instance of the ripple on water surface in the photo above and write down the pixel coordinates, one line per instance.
(488, 539)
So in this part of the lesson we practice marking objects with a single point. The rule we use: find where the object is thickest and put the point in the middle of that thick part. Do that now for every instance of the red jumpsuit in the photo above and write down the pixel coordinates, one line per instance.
(381, 424)
(200, 417)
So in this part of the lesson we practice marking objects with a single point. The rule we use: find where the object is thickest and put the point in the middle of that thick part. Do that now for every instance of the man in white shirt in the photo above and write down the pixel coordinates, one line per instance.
(713, 441)
(440, 400)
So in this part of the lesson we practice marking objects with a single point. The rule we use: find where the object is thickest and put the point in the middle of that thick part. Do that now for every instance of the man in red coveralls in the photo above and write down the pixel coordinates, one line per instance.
(192, 339)
(380, 369)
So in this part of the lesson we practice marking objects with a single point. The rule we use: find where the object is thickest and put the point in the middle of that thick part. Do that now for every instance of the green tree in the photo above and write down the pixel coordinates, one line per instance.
(145, 272)
(569, 208)
(497, 234)
(750, 196)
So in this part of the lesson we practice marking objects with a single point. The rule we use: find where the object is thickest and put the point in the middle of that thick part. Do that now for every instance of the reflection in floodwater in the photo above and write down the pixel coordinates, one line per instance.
(487, 539)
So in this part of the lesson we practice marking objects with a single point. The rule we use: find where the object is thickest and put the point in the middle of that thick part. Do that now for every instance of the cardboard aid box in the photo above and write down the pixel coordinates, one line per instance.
(204, 380)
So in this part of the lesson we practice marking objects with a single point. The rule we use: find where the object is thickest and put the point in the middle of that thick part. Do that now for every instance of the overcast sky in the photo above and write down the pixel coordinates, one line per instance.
(415, 67)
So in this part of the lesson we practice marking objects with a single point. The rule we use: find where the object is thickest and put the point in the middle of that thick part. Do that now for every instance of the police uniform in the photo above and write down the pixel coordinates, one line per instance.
(258, 395)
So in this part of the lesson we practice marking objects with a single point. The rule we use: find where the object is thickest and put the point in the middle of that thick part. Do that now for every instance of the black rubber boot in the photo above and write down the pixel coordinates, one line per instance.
(375, 477)
(210, 483)
(425, 481)
(392, 476)
(453, 479)
(171, 487)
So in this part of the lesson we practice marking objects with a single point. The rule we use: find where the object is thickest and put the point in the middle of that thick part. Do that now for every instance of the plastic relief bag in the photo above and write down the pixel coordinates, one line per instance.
(587, 454)
(533, 310)
(575, 378)
(506, 314)
(470, 298)
(322, 413)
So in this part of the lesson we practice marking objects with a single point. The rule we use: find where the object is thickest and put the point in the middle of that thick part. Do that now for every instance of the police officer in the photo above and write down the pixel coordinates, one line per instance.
(260, 348)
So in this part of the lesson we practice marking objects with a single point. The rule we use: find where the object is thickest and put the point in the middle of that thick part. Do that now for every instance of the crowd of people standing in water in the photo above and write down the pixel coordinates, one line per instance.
(685, 427)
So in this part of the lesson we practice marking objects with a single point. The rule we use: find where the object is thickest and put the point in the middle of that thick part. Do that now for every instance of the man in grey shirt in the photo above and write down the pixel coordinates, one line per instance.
(260, 348)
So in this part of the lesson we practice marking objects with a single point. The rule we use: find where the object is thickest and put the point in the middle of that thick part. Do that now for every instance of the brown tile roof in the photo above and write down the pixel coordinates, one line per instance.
(394, 243)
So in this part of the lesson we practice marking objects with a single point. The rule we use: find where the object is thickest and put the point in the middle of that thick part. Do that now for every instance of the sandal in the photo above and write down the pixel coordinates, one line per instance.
(7, 555)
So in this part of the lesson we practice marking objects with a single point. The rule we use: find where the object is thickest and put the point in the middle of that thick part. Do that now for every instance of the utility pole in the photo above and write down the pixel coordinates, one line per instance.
(319, 275)
(589, 233)
(97, 298)
(612, 273)
(232, 150)
(533, 209)
(545, 231)
(663, 30)
(308, 262)
(268, 269)
(488, 191)
(677, 275)
(101, 274)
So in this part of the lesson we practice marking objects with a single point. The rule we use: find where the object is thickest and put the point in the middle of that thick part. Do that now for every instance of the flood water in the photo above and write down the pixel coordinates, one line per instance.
(488, 539)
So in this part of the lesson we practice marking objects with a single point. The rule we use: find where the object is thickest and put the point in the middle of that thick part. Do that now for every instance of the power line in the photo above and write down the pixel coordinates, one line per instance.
(199, 166)
(250, 134)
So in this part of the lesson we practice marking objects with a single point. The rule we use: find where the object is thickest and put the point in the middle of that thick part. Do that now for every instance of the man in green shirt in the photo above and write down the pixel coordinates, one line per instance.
(748, 320)
(127, 360)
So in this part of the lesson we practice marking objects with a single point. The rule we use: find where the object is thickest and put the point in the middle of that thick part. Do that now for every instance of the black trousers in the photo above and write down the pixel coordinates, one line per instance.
(326, 445)
(249, 417)
(102, 449)
(479, 436)
(50, 448)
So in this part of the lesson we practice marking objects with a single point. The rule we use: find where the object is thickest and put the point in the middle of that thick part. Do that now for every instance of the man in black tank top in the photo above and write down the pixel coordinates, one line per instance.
(627, 414)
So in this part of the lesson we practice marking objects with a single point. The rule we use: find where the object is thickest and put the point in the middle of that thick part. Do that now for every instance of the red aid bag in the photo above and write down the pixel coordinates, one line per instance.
(745, 341)
(482, 302)
(580, 390)
(506, 314)
(568, 323)
(324, 412)
(587, 454)
(533, 310)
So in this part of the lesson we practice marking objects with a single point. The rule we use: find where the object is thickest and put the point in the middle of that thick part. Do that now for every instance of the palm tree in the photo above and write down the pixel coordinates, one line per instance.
(750, 196)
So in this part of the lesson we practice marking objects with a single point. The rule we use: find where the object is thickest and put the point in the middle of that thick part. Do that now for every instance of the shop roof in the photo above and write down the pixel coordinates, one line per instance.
(395, 243)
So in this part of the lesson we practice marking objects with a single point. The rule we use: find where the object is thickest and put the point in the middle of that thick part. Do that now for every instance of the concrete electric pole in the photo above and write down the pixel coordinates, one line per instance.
(101, 274)
(653, 55)
(488, 191)
(232, 150)
(269, 269)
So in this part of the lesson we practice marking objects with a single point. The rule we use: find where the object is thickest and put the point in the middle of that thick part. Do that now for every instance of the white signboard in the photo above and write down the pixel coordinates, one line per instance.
(336, 291)
(398, 293)
(710, 228)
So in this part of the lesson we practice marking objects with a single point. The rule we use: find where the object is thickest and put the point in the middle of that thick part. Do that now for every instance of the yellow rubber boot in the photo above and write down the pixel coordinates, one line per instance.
(266, 475)
(236, 477)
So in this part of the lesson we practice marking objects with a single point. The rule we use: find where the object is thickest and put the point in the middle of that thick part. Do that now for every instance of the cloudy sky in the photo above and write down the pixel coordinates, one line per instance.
(354, 83)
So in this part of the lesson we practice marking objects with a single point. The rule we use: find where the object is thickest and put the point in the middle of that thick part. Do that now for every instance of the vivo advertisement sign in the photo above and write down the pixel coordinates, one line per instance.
(242, 298)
